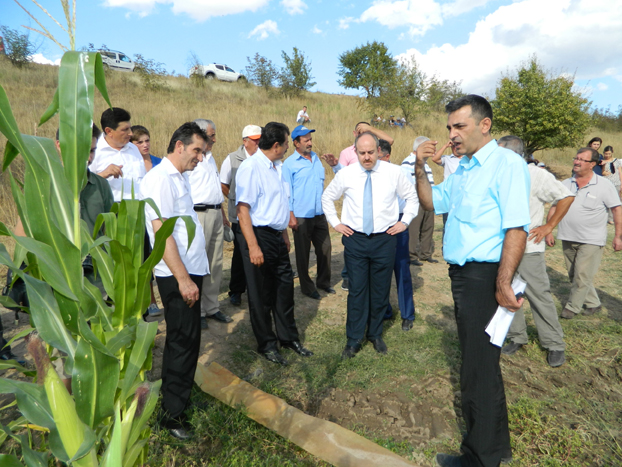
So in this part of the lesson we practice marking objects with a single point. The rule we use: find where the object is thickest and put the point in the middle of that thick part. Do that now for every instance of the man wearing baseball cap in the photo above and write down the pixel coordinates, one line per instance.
(250, 138)
(305, 174)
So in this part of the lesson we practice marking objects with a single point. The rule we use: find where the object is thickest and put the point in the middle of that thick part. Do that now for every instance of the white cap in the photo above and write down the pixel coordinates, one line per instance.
(251, 131)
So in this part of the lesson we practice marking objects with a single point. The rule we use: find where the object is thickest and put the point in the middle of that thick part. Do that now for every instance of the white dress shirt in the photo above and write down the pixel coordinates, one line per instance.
(133, 167)
(259, 183)
(450, 164)
(205, 183)
(545, 188)
(225, 169)
(388, 182)
(170, 191)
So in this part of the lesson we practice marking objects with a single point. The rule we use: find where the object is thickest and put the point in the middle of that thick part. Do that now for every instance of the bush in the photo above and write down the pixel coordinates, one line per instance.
(18, 48)
(151, 73)
(261, 71)
(295, 76)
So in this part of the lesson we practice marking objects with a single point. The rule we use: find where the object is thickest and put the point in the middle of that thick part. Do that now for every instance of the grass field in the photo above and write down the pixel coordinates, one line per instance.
(407, 401)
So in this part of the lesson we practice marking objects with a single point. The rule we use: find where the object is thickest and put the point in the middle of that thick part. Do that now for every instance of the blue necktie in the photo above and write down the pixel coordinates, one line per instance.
(368, 206)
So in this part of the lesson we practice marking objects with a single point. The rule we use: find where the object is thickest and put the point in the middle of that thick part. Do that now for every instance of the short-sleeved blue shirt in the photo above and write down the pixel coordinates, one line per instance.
(306, 180)
(487, 195)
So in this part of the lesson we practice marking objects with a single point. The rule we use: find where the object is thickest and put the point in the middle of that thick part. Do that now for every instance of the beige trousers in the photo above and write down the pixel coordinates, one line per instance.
(582, 263)
(211, 221)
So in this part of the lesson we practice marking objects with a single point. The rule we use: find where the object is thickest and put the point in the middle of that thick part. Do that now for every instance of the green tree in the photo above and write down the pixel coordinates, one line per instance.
(18, 48)
(367, 67)
(295, 76)
(541, 108)
(440, 92)
(152, 74)
(261, 71)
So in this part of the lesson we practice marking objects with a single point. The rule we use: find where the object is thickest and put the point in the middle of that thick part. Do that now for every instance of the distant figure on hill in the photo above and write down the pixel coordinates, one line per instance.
(116, 158)
(303, 116)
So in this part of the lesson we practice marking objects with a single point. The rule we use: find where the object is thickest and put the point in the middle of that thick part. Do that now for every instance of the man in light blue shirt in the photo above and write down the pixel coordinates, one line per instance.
(262, 199)
(305, 173)
(487, 200)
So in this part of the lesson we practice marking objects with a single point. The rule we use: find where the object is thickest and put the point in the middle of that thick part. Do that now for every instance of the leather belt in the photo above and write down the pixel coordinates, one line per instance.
(205, 207)
(268, 229)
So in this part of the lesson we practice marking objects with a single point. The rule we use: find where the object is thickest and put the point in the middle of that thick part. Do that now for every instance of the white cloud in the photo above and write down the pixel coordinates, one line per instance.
(344, 23)
(199, 10)
(264, 29)
(560, 32)
(419, 15)
(459, 7)
(316, 30)
(294, 7)
(602, 87)
(39, 58)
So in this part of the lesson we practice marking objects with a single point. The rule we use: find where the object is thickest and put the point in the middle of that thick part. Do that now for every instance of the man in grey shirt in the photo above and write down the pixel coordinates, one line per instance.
(583, 231)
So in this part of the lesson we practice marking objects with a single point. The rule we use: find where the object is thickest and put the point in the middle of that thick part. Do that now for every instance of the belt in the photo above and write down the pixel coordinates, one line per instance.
(205, 207)
(268, 229)
(370, 235)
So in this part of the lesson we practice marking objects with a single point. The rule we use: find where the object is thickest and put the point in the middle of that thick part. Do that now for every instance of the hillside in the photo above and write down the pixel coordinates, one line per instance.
(407, 401)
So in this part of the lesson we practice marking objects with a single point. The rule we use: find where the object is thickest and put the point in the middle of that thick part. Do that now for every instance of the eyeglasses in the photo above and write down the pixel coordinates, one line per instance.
(580, 160)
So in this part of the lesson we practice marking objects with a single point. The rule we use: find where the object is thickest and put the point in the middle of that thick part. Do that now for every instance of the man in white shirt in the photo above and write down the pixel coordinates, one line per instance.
(303, 116)
(116, 159)
(181, 271)
(532, 268)
(228, 170)
(263, 211)
(207, 198)
(369, 225)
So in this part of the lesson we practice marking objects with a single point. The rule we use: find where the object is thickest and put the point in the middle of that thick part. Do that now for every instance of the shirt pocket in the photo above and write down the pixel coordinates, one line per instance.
(590, 201)
(474, 203)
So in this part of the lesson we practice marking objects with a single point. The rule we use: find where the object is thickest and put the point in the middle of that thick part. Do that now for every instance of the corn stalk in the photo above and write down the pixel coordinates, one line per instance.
(106, 343)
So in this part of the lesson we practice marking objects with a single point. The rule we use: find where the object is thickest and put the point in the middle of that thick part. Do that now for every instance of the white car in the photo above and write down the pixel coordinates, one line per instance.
(117, 60)
(215, 70)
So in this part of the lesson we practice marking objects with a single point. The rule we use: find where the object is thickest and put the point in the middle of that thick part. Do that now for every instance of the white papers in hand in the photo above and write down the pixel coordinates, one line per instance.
(499, 325)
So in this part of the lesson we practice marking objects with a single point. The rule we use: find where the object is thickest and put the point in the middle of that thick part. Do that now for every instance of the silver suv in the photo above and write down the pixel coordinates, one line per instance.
(215, 70)
(117, 60)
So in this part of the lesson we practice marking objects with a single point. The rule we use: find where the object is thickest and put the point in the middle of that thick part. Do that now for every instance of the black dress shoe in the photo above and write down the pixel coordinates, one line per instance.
(275, 357)
(314, 295)
(180, 433)
(204, 323)
(416, 262)
(295, 274)
(350, 351)
(345, 285)
(235, 299)
(220, 316)
(407, 324)
(297, 347)
(380, 346)
(329, 290)
(11, 356)
(431, 260)
(447, 460)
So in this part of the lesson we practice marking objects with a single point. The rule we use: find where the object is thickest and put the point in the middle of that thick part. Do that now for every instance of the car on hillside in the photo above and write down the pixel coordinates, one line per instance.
(217, 71)
(117, 60)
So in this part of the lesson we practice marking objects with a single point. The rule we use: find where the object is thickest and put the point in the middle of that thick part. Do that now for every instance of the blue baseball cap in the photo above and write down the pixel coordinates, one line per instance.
(301, 130)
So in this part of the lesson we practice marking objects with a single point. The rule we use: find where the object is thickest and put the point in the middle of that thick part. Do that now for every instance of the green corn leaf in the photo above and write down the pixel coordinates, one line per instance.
(132, 453)
(113, 456)
(8, 302)
(94, 382)
(124, 284)
(31, 400)
(121, 339)
(100, 79)
(104, 312)
(33, 458)
(145, 335)
(51, 110)
(141, 421)
(7, 430)
(9, 128)
(9, 460)
(47, 316)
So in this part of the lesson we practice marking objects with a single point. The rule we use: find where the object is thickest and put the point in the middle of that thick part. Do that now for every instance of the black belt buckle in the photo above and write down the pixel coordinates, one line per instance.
(205, 207)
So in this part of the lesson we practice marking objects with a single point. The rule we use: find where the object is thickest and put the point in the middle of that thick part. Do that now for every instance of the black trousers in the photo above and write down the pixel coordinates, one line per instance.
(271, 291)
(370, 262)
(483, 396)
(181, 348)
(312, 230)
(237, 283)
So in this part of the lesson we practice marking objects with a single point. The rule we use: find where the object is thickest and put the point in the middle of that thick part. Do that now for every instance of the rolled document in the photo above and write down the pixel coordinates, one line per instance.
(499, 325)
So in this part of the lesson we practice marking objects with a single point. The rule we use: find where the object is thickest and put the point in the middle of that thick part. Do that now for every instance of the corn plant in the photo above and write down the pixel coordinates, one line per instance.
(106, 343)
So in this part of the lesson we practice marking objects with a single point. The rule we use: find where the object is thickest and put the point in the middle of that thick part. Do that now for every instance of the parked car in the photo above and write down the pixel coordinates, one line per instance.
(215, 70)
(117, 60)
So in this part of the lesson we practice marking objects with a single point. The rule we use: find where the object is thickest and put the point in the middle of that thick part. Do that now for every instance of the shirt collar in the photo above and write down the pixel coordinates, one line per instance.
(264, 159)
(593, 180)
(170, 168)
(484, 153)
(374, 168)
(103, 144)
(300, 156)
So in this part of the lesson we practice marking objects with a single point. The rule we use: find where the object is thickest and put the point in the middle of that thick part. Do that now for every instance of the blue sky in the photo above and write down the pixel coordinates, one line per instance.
(472, 41)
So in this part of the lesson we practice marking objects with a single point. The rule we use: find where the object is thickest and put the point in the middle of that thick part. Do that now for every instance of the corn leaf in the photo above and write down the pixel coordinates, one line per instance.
(9, 460)
(113, 456)
(51, 110)
(141, 421)
(145, 335)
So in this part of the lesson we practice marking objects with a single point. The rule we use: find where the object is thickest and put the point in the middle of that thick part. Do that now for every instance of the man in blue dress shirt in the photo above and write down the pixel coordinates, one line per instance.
(262, 199)
(487, 200)
(305, 173)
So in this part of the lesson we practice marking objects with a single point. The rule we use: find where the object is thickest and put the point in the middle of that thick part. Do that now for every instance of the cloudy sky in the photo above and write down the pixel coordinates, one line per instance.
(472, 41)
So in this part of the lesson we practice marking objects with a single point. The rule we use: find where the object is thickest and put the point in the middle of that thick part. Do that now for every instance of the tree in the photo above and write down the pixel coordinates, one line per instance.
(261, 71)
(151, 73)
(541, 108)
(18, 48)
(440, 92)
(295, 76)
(405, 91)
(368, 67)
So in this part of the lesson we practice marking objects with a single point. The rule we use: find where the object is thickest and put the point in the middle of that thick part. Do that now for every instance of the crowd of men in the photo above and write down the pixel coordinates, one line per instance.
(493, 206)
